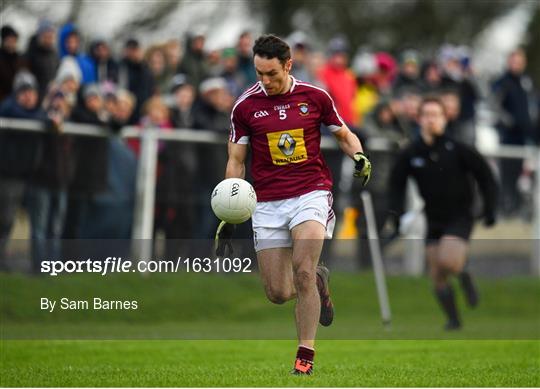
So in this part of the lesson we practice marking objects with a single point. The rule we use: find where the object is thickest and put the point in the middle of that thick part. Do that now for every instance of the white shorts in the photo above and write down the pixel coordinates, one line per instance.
(273, 220)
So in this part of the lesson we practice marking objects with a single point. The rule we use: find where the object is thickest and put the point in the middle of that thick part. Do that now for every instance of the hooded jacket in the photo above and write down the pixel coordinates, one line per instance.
(86, 64)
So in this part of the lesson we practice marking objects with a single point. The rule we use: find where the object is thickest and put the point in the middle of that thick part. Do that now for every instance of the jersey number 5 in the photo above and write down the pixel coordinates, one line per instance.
(282, 114)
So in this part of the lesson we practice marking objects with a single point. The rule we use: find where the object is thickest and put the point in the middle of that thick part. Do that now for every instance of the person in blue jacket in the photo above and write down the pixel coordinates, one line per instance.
(69, 44)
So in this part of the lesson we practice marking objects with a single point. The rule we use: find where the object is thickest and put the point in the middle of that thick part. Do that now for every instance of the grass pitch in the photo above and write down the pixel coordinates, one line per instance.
(498, 346)
(267, 363)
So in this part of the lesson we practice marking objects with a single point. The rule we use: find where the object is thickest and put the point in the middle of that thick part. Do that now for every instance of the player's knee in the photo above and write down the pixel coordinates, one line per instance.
(303, 280)
(456, 268)
(449, 265)
(440, 279)
(277, 296)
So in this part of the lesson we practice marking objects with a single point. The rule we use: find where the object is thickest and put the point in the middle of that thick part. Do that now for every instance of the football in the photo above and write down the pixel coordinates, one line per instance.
(233, 200)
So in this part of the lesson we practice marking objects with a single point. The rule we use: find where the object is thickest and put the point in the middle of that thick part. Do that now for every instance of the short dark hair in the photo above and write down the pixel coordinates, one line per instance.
(244, 34)
(431, 99)
(132, 43)
(8, 31)
(518, 50)
(73, 32)
(270, 46)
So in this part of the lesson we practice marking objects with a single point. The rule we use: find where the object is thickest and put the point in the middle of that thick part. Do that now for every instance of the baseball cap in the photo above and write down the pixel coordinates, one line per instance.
(44, 26)
(91, 90)
(24, 80)
(409, 56)
(337, 45)
(212, 83)
(228, 52)
(178, 81)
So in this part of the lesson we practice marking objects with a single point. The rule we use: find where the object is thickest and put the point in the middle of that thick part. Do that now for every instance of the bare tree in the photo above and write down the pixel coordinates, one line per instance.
(387, 24)
(75, 11)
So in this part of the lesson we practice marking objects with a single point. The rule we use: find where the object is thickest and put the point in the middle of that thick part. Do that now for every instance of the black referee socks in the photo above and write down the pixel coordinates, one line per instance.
(447, 300)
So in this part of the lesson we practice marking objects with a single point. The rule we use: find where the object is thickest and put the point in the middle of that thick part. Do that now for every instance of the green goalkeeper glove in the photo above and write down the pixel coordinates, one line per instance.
(223, 239)
(362, 167)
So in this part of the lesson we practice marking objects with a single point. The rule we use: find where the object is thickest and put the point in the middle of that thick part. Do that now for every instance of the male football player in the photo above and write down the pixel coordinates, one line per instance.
(444, 169)
(281, 118)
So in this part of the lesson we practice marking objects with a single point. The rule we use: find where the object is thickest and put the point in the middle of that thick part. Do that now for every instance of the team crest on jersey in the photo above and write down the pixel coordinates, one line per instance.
(304, 109)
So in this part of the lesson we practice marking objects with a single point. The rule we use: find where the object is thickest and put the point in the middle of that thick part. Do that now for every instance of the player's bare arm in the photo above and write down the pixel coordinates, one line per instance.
(348, 141)
(236, 167)
(350, 144)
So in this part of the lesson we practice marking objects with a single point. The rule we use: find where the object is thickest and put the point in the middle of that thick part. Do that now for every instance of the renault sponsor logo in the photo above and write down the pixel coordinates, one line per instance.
(286, 144)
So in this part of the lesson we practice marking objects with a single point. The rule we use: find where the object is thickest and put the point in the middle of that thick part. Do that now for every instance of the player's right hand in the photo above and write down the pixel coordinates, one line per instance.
(223, 239)
(390, 229)
(362, 167)
(490, 219)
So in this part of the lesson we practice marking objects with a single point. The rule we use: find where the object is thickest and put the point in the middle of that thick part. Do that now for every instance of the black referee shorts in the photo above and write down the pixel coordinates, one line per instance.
(460, 226)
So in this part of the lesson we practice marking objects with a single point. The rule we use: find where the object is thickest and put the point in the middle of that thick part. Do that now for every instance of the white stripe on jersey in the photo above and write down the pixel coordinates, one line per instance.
(251, 88)
(251, 91)
(294, 81)
(330, 97)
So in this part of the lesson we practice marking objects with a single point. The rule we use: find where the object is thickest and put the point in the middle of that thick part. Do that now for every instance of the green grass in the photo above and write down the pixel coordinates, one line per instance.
(267, 363)
(499, 345)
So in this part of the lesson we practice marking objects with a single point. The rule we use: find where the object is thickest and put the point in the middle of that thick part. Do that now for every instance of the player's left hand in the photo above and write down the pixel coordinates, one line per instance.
(362, 167)
(223, 239)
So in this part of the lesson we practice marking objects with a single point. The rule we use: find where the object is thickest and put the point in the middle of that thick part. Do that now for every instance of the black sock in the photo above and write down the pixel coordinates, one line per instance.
(446, 298)
(305, 353)
(467, 284)
(465, 280)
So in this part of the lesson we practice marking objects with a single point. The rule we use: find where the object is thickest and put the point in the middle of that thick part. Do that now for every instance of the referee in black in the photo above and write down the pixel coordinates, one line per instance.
(445, 171)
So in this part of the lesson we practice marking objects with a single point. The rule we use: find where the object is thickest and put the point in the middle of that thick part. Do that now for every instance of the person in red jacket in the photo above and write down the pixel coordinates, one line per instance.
(338, 80)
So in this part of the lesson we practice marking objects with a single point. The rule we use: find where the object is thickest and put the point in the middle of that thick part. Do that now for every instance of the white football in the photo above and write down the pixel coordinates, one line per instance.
(233, 200)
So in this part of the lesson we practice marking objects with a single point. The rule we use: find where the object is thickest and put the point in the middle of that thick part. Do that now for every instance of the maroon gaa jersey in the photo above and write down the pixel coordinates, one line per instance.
(285, 136)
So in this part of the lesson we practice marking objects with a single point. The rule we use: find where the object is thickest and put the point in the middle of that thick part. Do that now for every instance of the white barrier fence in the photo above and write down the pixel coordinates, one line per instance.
(146, 174)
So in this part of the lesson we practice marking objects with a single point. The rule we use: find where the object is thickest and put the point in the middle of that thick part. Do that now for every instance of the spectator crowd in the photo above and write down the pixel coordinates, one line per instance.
(77, 187)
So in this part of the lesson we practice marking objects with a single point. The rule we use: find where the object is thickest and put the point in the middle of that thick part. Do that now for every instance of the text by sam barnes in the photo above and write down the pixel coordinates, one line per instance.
(97, 304)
